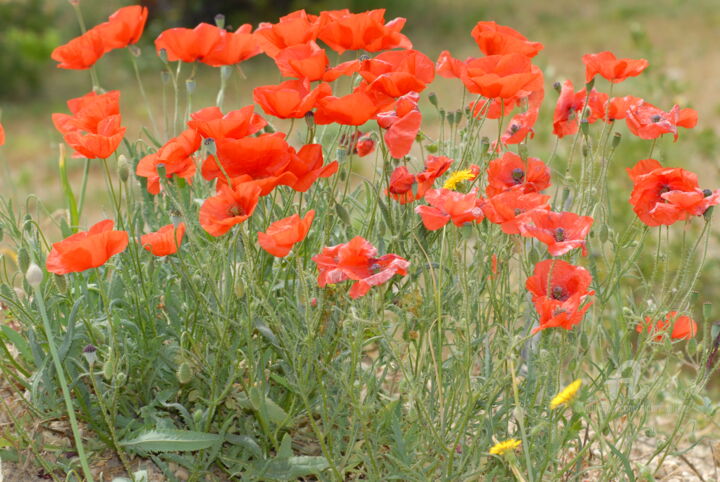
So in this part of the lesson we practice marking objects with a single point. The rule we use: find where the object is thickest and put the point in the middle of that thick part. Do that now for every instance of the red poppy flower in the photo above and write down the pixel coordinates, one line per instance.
(553, 313)
(570, 106)
(648, 122)
(281, 236)
(353, 109)
(2, 135)
(164, 241)
(232, 47)
(519, 127)
(402, 124)
(447, 205)
(307, 166)
(342, 30)
(93, 130)
(262, 156)
(357, 260)
(290, 99)
(406, 187)
(683, 327)
(212, 124)
(613, 69)
(364, 145)
(295, 28)
(81, 52)
(85, 250)
(510, 208)
(503, 76)
(663, 195)
(618, 106)
(559, 280)
(124, 27)
(448, 66)
(562, 232)
(398, 72)
(494, 39)
(229, 207)
(175, 156)
(304, 61)
(188, 44)
(511, 172)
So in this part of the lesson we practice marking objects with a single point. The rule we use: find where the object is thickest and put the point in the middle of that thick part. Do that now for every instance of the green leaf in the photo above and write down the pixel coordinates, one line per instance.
(267, 407)
(17, 339)
(294, 467)
(169, 440)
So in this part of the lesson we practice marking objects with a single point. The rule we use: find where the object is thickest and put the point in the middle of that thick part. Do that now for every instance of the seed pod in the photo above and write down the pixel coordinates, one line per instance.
(432, 97)
(123, 168)
(617, 137)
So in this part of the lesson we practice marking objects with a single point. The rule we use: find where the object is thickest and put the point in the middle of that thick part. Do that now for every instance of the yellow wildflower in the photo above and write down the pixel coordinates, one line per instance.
(504, 446)
(566, 395)
(457, 177)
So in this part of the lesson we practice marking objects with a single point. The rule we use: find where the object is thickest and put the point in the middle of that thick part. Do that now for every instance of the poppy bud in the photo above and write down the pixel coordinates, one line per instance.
(34, 275)
(708, 213)
(616, 139)
(28, 224)
(108, 369)
(432, 148)
(90, 354)
(442, 114)
(209, 145)
(310, 119)
(23, 259)
(590, 84)
(432, 97)
(342, 213)
(269, 129)
(557, 86)
(123, 168)
(184, 373)
(220, 20)
(458, 116)
(604, 233)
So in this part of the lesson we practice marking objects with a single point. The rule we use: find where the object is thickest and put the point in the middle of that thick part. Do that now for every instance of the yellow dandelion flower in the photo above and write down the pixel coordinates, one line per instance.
(457, 177)
(504, 446)
(566, 395)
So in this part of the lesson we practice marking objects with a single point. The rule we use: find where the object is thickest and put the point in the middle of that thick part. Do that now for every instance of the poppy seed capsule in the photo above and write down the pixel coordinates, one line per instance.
(557, 86)
(123, 168)
(90, 354)
(220, 20)
(310, 119)
(184, 373)
(707, 192)
(34, 275)
(616, 139)
(210, 147)
(432, 97)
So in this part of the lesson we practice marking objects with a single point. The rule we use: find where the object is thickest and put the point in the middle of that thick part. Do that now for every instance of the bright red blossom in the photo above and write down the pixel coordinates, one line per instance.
(570, 105)
(85, 250)
(503, 76)
(494, 39)
(229, 207)
(295, 28)
(124, 27)
(342, 30)
(304, 61)
(562, 232)
(510, 208)
(290, 99)
(357, 260)
(649, 122)
(664, 195)
(511, 172)
(164, 241)
(406, 187)
(613, 69)
(282, 235)
(683, 327)
(176, 158)
(447, 205)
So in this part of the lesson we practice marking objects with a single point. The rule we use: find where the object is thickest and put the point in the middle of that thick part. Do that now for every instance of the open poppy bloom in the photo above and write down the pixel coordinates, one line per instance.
(295, 28)
(357, 260)
(494, 39)
(500, 76)
(353, 109)
(189, 45)
(262, 156)
(81, 52)
(683, 327)
(164, 241)
(570, 105)
(519, 127)
(233, 47)
(448, 66)
(402, 124)
(447, 205)
(664, 195)
(617, 107)
(613, 69)
(93, 130)
(511, 172)
(510, 208)
(304, 61)
(281, 236)
(2, 135)
(562, 232)
(212, 124)
(396, 73)
(291, 99)
(85, 250)
(124, 27)
(307, 166)
(342, 30)
(649, 122)
(175, 156)
(229, 207)
(558, 290)
(405, 187)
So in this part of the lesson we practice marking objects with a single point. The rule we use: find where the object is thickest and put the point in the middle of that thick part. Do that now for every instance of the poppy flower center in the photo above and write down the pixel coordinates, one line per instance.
(559, 311)
(514, 128)
(707, 192)
(517, 175)
(518, 211)
(664, 188)
(656, 118)
(236, 210)
(559, 234)
(558, 293)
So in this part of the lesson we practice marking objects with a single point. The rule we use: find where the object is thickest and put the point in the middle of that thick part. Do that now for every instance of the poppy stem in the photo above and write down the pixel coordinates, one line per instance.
(83, 188)
(63, 385)
(143, 93)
